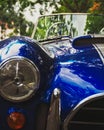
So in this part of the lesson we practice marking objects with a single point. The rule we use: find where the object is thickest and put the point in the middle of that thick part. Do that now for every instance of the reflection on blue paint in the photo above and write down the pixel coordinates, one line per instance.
(78, 76)
(15, 109)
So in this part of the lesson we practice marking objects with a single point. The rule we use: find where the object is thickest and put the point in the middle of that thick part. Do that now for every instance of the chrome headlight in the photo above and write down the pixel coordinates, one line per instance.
(19, 79)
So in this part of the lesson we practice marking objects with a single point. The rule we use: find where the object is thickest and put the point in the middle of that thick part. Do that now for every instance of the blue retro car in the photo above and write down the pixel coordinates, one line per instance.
(54, 80)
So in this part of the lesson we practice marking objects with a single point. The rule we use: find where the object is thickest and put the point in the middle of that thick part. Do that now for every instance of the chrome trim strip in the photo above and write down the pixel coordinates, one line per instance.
(53, 120)
(80, 105)
(99, 51)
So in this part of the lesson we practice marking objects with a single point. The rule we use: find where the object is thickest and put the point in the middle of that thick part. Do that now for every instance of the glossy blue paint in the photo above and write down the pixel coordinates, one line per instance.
(15, 109)
(17, 47)
(78, 74)
(27, 48)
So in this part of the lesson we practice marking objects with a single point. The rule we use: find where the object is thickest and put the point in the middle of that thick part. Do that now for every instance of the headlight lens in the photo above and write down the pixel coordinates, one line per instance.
(19, 79)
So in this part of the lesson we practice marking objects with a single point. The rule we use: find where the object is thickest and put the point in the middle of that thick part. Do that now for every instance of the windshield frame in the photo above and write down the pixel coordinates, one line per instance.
(49, 15)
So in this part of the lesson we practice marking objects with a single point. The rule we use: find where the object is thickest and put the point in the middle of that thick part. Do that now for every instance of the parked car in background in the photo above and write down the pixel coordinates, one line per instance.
(54, 80)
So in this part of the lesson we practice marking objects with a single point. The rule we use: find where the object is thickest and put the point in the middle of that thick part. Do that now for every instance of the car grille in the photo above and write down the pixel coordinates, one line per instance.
(89, 116)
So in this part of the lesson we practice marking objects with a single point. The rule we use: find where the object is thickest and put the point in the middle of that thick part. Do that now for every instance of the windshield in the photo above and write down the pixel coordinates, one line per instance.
(53, 26)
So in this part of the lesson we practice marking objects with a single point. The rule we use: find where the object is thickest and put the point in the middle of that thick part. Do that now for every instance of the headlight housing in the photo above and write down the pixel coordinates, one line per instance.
(19, 79)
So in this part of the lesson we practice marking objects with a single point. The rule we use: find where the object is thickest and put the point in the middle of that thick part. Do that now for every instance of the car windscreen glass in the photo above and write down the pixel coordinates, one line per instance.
(53, 26)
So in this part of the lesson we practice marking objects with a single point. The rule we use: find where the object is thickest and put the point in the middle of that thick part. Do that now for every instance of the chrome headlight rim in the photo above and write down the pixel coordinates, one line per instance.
(32, 92)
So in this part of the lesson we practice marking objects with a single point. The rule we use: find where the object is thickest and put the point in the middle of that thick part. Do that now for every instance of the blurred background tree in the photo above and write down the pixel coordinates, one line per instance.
(95, 25)
(12, 17)
(74, 5)
(12, 12)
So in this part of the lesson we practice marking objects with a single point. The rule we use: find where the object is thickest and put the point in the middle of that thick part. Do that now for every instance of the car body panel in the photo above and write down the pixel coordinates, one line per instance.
(76, 71)
(78, 74)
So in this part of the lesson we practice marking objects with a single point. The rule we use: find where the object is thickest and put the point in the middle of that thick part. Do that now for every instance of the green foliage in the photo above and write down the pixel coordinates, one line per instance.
(43, 25)
(74, 5)
(12, 19)
(101, 8)
(95, 23)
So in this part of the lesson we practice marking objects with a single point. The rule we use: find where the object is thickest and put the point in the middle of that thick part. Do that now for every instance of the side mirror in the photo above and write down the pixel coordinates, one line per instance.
(86, 41)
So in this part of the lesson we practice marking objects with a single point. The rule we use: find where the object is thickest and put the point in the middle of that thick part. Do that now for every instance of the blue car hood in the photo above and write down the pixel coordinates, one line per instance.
(78, 74)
